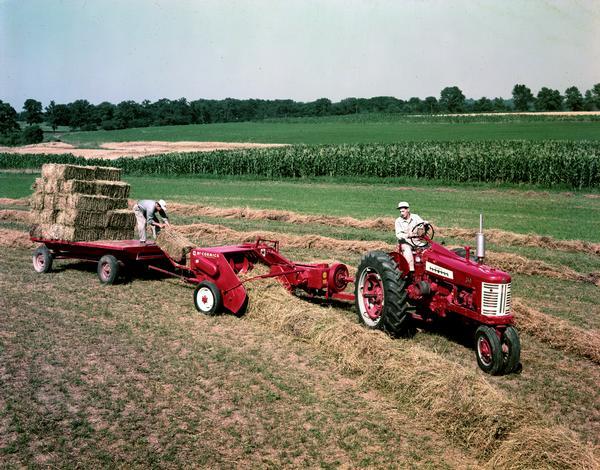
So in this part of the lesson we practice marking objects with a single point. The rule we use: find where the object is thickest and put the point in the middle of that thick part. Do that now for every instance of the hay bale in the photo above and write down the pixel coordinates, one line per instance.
(118, 233)
(87, 202)
(36, 202)
(121, 219)
(54, 171)
(83, 219)
(44, 216)
(174, 244)
(114, 189)
(64, 232)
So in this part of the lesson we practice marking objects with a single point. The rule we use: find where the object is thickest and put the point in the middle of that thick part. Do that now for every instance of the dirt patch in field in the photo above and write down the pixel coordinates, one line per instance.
(113, 150)
(15, 215)
(500, 237)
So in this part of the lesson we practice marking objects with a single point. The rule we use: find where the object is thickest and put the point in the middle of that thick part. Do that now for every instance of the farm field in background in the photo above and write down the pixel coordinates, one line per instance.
(373, 129)
(511, 209)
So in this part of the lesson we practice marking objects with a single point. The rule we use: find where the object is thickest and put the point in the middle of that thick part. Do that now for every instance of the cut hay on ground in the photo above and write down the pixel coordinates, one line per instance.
(6, 201)
(559, 334)
(15, 215)
(176, 245)
(496, 236)
(15, 239)
(459, 401)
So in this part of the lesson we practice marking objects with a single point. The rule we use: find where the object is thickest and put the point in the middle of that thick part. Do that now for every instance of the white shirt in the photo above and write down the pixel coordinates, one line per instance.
(405, 227)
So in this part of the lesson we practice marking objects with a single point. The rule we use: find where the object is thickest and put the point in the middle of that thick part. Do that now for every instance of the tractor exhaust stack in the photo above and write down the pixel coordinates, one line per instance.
(480, 239)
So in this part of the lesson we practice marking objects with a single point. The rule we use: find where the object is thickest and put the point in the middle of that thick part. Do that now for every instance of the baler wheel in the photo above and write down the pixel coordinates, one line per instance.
(42, 260)
(207, 298)
(108, 269)
(380, 295)
(488, 350)
(511, 349)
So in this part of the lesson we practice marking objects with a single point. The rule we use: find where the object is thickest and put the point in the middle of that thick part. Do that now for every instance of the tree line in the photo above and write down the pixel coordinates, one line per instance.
(83, 115)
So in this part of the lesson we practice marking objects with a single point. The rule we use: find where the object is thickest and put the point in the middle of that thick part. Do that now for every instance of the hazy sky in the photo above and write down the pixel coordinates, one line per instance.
(116, 50)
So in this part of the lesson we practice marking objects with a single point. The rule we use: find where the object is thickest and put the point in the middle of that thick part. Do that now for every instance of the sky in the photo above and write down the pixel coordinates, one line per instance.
(116, 50)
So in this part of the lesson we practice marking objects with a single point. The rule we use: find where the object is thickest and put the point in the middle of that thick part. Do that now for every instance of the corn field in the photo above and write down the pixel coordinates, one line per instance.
(574, 165)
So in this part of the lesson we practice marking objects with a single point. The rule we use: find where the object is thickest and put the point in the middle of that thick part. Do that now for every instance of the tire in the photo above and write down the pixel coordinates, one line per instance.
(488, 351)
(108, 269)
(42, 260)
(380, 295)
(511, 350)
(207, 298)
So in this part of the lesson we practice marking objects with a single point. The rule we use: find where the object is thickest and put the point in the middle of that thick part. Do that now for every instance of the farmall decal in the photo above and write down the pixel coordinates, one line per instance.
(435, 269)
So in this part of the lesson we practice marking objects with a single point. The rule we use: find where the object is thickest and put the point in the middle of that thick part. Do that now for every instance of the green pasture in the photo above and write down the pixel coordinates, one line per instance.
(562, 215)
(344, 131)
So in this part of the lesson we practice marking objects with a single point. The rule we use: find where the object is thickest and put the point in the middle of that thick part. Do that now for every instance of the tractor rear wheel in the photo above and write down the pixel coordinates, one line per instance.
(42, 260)
(380, 295)
(207, 298)
(511, 350)
(488, 350)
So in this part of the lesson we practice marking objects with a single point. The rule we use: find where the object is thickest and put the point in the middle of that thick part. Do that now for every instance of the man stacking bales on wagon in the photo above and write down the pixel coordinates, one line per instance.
(146, 214)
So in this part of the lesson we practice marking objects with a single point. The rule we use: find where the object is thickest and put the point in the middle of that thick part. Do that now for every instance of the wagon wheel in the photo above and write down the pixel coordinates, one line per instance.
(488, 350)
(42, 259)
(108, 269)
(511, 350)
(380, 295)
(207, 298)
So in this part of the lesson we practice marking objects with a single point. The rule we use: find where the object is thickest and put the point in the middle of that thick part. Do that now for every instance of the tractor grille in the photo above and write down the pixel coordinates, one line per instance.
(495, 299)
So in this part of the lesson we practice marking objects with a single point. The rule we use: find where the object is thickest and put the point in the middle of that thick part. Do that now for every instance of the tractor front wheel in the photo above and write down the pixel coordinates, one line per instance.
(42, 260)
(488, 350)
(207, 298)
(511, 350)
(380, 295)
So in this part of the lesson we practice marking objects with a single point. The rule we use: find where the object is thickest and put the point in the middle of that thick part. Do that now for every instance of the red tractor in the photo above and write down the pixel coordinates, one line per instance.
(445, 283)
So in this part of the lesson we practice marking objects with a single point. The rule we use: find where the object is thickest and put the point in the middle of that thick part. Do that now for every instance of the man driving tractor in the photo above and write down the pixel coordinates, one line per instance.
(405, 232)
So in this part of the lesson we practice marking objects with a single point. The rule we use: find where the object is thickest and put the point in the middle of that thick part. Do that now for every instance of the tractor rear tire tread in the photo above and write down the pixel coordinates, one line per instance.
(395, 320)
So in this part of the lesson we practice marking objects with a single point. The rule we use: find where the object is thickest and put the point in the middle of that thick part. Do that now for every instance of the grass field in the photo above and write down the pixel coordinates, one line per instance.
(129, 375)
(340, 131)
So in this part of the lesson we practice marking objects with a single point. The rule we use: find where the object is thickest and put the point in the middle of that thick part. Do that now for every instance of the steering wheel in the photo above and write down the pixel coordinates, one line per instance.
(424, 231)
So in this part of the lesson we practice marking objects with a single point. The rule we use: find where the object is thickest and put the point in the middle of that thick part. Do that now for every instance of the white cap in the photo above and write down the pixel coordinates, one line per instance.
(163, 204)
(403, 204)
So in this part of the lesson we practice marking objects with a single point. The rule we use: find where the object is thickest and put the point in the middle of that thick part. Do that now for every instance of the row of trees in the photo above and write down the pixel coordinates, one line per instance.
(81, 114)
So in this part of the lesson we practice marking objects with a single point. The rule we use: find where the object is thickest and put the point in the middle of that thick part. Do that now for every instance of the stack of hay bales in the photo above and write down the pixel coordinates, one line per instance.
(81, 203)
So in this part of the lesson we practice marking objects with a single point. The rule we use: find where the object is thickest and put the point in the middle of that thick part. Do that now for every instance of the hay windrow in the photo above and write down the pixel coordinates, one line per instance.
(496, 236)
(558, 333)
(15, 239)
(15, 215)
(562, 449)
(459, 401)
(6, 201)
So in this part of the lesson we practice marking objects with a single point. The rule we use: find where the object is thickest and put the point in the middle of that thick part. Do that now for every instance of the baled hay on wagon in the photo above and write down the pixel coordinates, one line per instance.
(118, 233)
(174, 244)
(114, 189)
(52, 171)
(87, 202)
(65, 232)
(44, 216)
(36, 202)
(121, 218)
(83, 219)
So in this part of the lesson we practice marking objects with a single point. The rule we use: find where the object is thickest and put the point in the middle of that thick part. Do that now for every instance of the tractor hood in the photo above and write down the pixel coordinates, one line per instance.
(445, 263)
